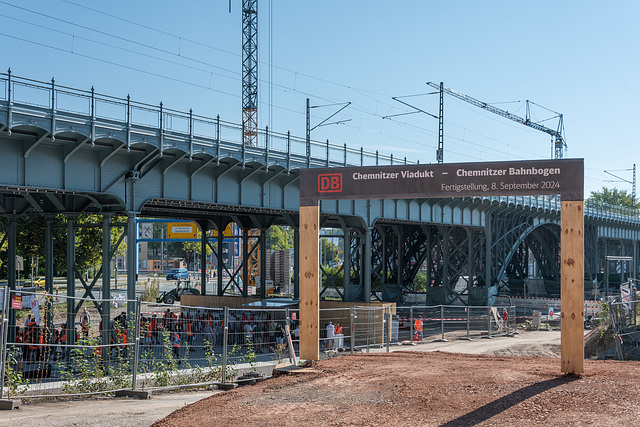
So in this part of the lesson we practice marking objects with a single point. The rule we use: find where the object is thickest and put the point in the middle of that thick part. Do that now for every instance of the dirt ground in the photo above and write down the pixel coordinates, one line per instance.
(411, 388)
(498, 381)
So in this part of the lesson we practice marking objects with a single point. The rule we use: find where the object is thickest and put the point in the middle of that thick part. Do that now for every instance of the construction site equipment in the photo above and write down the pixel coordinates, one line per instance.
(558, 138)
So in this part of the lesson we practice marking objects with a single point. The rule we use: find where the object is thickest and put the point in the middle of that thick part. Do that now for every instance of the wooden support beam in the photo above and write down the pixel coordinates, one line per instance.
(572, 287)
(309, 283)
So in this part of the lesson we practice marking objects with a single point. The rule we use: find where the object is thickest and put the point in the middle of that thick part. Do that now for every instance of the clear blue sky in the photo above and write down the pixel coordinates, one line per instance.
(579, 58)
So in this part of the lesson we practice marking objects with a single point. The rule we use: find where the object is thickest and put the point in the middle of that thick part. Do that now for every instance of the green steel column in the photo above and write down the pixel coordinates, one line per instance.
(430, 261)
(383, 258)
(203, 258)
(11, 279)
(71, 283)
(346, 267)
(488, 263)
(48, 273)
(366, 265)
(263, 264)
(132, 273)
(470, 260)
(106, 282)
(400, 249)
(220, 262)
(245, 261)
(445, 261)
(132, 250)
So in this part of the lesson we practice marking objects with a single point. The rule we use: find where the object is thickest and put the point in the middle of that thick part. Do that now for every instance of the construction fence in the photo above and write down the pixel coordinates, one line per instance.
(624, 319)
(54, 345)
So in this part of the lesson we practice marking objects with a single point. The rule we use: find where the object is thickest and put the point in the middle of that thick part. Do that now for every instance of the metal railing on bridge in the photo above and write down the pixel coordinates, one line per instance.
(201, 130)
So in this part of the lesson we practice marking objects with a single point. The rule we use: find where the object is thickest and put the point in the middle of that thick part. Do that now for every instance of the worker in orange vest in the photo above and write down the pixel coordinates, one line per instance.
(190, 335)
(417, 325)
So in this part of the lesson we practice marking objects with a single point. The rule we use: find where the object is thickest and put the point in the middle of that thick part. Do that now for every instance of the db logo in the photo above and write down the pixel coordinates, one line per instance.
(330, 183)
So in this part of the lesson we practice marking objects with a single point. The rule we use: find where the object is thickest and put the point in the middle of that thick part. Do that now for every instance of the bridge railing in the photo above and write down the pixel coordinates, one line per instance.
(16, 91)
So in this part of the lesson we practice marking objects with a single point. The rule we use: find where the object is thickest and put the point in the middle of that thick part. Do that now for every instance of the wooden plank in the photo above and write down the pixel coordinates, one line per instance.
(309, 282)
(572, 287)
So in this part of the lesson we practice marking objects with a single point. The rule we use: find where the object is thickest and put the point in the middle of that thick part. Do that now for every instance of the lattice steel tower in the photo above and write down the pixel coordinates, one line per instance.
(250, 71)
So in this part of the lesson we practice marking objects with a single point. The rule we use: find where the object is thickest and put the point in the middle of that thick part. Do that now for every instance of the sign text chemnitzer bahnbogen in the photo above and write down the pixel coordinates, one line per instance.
(534, 177)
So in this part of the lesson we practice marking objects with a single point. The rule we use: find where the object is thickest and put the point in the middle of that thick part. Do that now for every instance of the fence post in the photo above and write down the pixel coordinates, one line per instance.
(411, 324)
(388, 327)
(442, 322)
(225, 337)
(489, 327)
(368, 330)
(468, 322)
(136, 346)
(352, 328)
(3, 338)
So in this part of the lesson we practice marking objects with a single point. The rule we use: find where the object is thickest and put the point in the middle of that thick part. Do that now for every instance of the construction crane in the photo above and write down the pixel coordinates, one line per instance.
(249, 71)
(558, 139)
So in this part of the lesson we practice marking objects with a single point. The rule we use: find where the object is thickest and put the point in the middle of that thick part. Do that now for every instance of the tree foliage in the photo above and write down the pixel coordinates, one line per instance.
(614, 197)
(88, 248)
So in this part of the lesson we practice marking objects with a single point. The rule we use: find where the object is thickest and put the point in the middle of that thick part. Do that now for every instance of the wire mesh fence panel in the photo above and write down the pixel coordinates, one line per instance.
(368, 328)
(257, 339)
(59, 345)
(335, 329)
(624, 319)
(179, 345)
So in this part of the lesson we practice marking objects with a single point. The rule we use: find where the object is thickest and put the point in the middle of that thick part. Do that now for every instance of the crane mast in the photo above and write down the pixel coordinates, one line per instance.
(558, 139)
(250, 71)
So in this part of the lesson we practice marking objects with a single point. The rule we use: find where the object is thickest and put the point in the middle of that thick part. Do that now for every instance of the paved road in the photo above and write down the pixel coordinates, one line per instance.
(101, 412)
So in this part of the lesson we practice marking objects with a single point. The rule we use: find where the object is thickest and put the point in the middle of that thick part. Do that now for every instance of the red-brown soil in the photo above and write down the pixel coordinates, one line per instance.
(429, 389)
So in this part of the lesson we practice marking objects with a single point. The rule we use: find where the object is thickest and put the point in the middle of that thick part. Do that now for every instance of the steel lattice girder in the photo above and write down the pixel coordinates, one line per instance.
(399, 250)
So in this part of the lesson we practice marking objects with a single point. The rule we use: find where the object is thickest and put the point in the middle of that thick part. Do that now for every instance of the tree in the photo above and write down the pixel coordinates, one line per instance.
(328, 252)
(614, 197)
(30, 242)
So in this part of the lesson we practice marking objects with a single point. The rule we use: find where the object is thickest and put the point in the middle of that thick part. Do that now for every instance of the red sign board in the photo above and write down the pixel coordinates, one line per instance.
(16, 301)
(330, 183)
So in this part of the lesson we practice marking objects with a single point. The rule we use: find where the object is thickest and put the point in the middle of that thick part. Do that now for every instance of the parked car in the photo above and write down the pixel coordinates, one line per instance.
(178, 274)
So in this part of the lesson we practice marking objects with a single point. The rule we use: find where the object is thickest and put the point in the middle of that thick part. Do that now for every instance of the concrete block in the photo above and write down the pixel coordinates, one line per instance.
(226, 386)
(139, 394)
(8, 404)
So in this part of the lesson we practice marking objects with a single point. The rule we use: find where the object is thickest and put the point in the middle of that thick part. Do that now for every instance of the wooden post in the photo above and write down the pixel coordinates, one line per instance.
(572, 287)
(309, 282)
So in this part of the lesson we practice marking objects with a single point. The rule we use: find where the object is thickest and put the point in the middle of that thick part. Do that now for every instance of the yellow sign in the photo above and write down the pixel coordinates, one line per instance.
(182, 230)
(228, 232)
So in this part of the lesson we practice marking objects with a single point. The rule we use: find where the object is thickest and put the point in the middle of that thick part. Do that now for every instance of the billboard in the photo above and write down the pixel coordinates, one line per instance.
(533, 177)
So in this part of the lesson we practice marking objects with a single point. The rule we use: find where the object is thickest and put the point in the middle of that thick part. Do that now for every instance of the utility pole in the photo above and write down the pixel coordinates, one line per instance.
(440, 118)
(620, 179)
(322, 123)
(440, 152)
